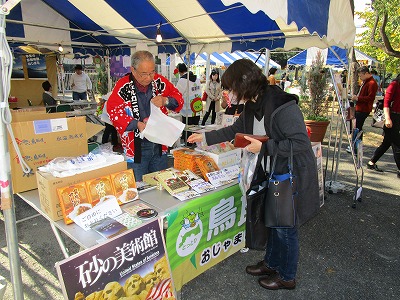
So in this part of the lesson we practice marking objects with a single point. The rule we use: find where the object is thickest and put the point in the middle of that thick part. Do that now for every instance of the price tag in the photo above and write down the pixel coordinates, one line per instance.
(201, 186)
(232, 172)
(109, 208)
(218, 178)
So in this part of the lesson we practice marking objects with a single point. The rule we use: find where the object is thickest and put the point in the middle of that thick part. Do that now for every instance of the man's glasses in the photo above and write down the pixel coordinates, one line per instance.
(144, 74)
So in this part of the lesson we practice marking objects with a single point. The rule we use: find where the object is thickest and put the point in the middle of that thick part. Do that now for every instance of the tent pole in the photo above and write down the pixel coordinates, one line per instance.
(109, 82)
(267, 58)
(7, 198)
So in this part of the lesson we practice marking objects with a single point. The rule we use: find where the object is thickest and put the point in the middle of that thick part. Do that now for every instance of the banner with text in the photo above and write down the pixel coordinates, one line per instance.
(205, 231)
(131, 265)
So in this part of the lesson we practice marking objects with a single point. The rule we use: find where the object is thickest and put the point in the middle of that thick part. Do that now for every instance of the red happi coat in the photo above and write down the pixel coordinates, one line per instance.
(122, 107)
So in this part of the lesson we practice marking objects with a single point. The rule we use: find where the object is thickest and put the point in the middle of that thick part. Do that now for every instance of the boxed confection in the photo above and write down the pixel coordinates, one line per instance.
(47, 186)
(42, 137)
(224, 159)
(124, 185)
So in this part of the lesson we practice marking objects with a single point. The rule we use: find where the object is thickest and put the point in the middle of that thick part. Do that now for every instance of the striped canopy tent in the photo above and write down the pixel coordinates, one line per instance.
(225, 59)
(114, 27)
(333, 56)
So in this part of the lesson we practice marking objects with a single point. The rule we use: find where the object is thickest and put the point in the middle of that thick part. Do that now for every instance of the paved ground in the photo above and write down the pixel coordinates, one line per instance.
(345, 253)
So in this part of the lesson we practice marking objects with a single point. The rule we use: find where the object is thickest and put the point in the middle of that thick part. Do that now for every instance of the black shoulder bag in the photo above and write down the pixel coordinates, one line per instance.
(279, 199)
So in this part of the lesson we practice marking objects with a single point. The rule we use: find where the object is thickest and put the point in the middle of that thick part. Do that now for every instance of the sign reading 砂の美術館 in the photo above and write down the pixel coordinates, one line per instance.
(205, 231)
(132, 265)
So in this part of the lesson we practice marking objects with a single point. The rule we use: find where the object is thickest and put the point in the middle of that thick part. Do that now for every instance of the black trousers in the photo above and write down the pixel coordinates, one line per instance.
(190, 121)
(110, 130)
(211, 109)
(391, 139)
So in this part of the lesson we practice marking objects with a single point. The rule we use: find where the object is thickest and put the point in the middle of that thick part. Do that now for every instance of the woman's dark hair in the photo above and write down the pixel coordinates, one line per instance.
(245, 79)
(272, 71)
(213, 72)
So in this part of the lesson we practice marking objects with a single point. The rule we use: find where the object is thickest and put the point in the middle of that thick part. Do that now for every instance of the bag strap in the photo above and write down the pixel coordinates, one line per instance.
(261, 155)
(290, 162)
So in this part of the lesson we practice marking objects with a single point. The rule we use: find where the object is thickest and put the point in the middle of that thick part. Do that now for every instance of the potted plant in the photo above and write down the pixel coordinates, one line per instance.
(315, 99)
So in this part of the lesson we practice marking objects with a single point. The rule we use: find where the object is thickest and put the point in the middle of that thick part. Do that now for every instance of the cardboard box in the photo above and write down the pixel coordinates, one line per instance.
(41, 139)
(225, 159)
(48, 184)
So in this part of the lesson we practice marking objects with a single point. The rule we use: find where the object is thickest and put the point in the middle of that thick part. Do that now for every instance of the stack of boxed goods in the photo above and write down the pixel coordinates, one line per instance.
(185, 159)
(48, 185)
(78, 198)
(41, 137)
(224, 154)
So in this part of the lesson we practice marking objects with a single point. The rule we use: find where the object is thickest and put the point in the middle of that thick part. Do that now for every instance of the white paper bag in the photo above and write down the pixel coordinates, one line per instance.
(162, 129)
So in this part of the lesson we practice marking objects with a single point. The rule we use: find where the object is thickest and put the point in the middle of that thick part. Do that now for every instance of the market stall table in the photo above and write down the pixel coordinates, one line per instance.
(214, 221)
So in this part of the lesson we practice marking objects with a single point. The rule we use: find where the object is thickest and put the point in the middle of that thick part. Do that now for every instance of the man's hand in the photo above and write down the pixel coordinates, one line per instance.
(159, 100)
(141, 126)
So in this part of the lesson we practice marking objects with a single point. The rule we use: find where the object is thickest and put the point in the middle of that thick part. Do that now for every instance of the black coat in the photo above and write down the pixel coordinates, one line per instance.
(283, 121)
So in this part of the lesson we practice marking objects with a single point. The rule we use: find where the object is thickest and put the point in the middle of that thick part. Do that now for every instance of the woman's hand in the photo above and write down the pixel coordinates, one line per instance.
(255, 145)
(195, 138)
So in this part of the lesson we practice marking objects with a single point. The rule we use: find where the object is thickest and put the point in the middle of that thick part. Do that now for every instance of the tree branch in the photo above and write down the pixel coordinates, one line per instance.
(385, 46)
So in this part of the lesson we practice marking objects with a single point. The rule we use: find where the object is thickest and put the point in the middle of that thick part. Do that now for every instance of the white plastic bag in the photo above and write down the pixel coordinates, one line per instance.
(247, 168)
(161, 129)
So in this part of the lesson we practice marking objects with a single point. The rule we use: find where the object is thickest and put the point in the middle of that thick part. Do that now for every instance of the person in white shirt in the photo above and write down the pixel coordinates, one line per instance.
(193, 105)
(80, 84)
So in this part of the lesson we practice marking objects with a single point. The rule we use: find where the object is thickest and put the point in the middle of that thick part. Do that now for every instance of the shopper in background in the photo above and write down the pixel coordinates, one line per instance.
(365, 98)
(391, 130)
(265, 113)
(47, 97)
(129, 108)
(234, 107)
(213, 93)
(271, 76)
(378, 81)
(192, 100)
(109, 128)
(80, 84)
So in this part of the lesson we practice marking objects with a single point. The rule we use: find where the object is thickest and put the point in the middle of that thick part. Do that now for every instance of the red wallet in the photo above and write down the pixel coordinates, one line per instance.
(241, 142)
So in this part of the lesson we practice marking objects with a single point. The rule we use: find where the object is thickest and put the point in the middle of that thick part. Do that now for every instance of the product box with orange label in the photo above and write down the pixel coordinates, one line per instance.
(74, 200)
(124, 186)
(99, 188)
(48, 184)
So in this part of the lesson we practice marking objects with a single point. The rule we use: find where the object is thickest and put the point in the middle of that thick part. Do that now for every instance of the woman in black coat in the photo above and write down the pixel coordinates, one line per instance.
(270, 111)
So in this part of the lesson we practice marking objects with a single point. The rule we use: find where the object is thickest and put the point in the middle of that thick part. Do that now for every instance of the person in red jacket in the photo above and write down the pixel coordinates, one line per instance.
(391, 130)
(365, 98)
(129, 108)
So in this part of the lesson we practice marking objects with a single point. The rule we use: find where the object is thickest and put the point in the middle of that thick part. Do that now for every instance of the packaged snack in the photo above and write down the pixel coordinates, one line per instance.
(74, 200)
(206, 165)
(99, 188)
(124, 186)
(171, 182)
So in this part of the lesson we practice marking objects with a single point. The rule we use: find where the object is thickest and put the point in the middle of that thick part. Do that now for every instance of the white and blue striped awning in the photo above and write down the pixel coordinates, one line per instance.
(205, 25)
(226, 58)
(334, 56)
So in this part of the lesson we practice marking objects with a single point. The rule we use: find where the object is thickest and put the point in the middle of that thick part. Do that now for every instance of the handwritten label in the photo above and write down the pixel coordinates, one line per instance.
(109, 208)
(218, 178)
(50, 125)
(232, 172)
